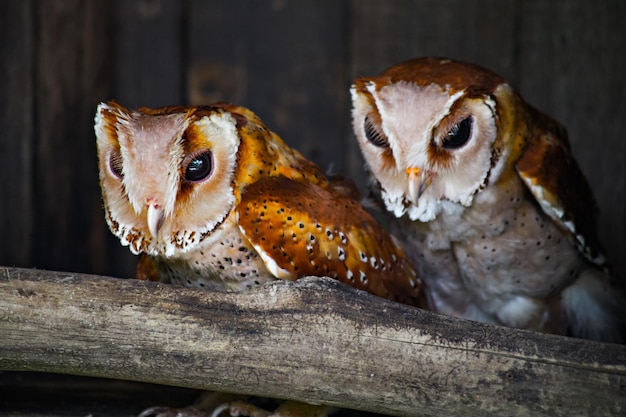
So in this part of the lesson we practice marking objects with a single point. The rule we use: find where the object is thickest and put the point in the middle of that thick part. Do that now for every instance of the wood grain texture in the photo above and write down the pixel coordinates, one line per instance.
(314, 340)
(217, 52)
(17, 137)
(70, 45)
(387, 33)
(150, 53)
(284, 61)
(574, 72)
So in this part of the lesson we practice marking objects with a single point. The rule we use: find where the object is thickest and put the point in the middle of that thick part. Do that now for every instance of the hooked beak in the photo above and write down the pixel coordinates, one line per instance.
(419, 180)
(155, 219)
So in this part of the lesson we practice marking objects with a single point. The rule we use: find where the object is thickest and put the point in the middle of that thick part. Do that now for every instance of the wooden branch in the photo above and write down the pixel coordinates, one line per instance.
(315, 340)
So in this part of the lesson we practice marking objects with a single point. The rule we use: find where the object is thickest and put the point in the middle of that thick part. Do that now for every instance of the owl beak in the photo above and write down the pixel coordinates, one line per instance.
(419, 180)
(155, 219)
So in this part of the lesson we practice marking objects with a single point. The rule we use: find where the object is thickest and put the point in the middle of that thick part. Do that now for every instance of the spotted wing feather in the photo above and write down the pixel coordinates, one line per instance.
(302, 229)
(549, 170)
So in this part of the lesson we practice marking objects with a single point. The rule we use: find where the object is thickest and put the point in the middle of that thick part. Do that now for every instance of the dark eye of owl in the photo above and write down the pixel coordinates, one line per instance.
(199, 167)
(115, 164)
(458, 135)
(374, 135)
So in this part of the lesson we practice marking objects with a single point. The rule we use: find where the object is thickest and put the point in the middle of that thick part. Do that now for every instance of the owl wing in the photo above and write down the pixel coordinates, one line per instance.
(301, 229)
(550, 172)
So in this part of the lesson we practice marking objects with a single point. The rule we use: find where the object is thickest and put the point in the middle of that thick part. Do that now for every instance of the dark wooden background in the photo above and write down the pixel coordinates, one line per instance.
(292, 63)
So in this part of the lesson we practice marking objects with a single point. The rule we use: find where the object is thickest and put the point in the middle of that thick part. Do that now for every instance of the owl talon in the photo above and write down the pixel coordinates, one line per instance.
(242, 408)
(159, 411)
(155, 412)
(220, 409)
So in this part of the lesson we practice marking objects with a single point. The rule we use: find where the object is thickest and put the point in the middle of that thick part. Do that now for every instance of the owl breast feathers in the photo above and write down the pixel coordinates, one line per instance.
(491, 204)
(210, 197)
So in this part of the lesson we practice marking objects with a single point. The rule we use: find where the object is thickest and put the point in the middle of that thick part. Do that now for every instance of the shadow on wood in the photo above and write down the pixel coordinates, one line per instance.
(36, 394)
(314, 340)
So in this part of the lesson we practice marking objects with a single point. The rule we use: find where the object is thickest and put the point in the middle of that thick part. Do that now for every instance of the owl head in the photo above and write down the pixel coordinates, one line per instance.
(435, 130)
(171, 176)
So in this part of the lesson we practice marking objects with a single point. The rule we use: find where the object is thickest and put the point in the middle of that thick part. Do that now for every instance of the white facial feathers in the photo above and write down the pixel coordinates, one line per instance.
(154, 145)
(409, 114)
(151, 203)
(416, 120)
(149, 148)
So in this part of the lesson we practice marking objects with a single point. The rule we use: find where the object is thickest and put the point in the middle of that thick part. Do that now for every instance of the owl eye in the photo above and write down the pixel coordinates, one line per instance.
(199, 167)
(458, 135)
(115, 164)
(375, 136)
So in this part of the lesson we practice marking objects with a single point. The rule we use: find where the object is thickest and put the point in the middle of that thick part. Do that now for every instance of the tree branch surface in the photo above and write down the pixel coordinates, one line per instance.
(315, 340)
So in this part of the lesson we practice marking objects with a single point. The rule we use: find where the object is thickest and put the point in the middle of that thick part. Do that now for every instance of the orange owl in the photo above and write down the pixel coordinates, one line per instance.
(212, 198)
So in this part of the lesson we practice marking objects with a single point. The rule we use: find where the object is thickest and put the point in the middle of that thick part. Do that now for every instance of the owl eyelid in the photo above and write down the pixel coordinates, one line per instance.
(458, 135)
(116, 164)
(374, 135)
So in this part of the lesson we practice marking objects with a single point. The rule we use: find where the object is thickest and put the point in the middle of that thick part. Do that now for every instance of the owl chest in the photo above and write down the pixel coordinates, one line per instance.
(223, 261)
(519, 251)
(488, 254)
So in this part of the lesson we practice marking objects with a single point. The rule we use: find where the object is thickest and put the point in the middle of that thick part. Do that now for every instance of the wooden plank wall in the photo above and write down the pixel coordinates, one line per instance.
(292, 63)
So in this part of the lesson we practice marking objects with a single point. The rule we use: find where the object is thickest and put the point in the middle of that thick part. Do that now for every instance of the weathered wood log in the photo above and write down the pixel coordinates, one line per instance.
(315, 340)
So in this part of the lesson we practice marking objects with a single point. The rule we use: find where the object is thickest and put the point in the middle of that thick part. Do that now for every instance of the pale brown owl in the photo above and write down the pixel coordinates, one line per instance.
(492, 206)
(212, 198)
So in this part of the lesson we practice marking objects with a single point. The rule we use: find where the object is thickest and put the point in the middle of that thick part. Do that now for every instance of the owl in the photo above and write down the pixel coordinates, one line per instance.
(487, 198)
(211, 198)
